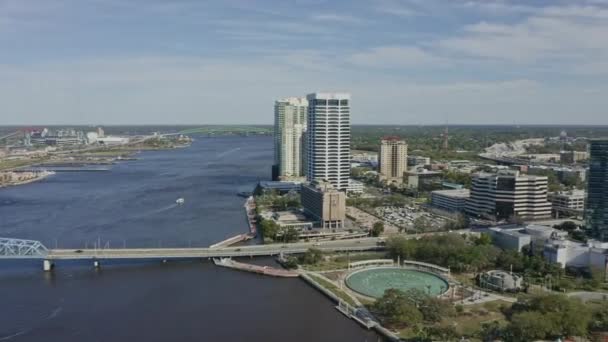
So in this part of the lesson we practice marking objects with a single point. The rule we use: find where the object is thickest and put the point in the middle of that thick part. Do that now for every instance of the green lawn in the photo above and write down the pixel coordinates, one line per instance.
(334, 289)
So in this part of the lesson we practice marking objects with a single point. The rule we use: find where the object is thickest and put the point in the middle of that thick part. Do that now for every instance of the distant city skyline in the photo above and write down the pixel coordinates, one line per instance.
(406, 62)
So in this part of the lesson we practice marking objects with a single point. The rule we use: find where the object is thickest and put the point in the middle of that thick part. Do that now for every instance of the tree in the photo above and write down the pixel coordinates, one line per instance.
(312, 256)
(548, 316)
(529, 326)
(421, 224)
(599, 320)
(483, 239)
(443, 333)
(490, 331)
(377, 229)
(434, 309)
(396, 309)
(567, 226)
(269, 228)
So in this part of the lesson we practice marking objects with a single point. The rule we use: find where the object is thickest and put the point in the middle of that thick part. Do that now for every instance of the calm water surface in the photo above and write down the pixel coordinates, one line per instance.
(134, 205)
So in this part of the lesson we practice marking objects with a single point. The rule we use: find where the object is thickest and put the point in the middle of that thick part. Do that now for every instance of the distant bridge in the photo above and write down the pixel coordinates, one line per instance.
(27, 249)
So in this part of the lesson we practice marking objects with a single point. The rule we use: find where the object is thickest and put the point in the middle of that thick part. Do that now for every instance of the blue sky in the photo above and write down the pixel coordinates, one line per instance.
(214, 62)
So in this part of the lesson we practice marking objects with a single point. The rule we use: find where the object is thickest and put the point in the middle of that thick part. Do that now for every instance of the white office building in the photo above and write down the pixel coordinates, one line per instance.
(509, 193)
(328, 138)
(289, 128)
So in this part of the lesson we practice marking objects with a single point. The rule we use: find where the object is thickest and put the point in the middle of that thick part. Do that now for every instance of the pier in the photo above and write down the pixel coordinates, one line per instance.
(264, 270)
(232, 240)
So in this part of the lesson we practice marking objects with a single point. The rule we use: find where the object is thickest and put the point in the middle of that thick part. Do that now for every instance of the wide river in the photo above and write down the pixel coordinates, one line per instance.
(133, 204)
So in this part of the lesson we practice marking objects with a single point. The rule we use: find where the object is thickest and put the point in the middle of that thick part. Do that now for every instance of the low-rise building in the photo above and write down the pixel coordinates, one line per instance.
(292, 219)
(112, 141)
(423, 179)
(572, 201)
(516, 237)
(571, 157)
(509, 239)
(355, 187)
(278, 187)
(498, 280)
(577, 254)
(324, 204)
(418, 160)
(450, 200)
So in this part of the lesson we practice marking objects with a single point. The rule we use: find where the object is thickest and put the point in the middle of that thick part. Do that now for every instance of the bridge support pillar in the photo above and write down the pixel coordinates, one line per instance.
(48, 265)
(96, 264)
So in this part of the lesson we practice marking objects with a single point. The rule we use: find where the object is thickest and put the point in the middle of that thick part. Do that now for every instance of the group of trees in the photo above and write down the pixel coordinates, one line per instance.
(449, 250)
(532, 318)
(272, 231)
(547, 317)
(277, 202)
(418, 311)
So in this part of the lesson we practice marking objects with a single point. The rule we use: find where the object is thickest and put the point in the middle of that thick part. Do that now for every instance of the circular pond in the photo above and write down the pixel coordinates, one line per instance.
(373, 282)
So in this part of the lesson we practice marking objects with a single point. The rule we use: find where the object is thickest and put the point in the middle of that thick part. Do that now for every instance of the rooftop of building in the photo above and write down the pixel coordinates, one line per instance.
(289, 216)
(570, 193)
(460, 193)
(322, 185)
(392, 138)
(509, 173)
(510, 232)
(279, 185)
(293, 100)
(328, 96)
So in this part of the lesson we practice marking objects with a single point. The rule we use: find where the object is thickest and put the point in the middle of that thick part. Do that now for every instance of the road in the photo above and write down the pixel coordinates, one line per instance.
(179, 253)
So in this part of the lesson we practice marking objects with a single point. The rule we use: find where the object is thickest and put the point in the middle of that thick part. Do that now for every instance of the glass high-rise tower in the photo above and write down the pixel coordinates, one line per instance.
(596, 212)
(328, 138)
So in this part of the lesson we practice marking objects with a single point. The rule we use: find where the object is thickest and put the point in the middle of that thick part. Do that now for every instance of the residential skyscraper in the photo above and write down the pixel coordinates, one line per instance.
(289, 127)
(392, 159)
(508, 194)
(596, 212)
(328, 138)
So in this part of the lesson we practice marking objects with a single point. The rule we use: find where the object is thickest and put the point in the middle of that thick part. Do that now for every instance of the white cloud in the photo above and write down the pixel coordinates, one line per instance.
(565, 36)
(336, 18)
(396, 57)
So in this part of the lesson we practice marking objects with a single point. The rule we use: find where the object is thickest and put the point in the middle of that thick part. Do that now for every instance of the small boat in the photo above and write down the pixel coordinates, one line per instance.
(244, 193)
(179, 201)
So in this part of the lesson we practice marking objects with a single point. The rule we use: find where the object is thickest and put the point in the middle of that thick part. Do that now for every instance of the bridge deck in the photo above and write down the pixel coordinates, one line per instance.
(193, 253)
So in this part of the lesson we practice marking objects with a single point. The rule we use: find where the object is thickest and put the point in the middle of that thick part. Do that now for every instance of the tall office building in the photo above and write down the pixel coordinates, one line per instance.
(328, 138)
(508, 194)
(392, 159)
(596, 213)
(289, 127)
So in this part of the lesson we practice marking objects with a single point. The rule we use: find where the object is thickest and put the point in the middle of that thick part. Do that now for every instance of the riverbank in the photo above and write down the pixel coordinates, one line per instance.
(12, 178)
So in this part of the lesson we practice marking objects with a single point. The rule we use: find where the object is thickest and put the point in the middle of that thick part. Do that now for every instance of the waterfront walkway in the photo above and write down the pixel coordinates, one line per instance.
(265, 270)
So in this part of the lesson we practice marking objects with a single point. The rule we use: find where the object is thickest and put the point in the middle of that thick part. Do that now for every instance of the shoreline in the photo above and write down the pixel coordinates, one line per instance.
(43, 175)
